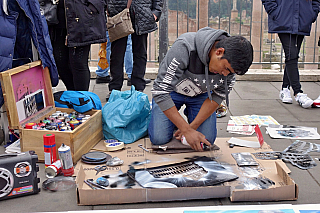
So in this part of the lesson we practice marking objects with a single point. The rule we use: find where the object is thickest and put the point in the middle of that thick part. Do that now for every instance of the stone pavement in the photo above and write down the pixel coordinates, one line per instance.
(248, 97)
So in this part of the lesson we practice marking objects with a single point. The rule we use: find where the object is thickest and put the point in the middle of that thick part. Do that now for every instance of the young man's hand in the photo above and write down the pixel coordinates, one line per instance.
(194, 138)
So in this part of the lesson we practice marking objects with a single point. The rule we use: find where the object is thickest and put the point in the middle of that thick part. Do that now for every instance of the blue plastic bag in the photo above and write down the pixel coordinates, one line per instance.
(126, 116)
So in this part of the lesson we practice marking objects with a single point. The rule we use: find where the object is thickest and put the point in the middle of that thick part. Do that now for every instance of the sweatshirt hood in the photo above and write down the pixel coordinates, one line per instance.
(204, 41)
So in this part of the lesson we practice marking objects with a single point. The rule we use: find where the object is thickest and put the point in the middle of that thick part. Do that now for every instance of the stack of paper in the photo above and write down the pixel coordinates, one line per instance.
(261, 120)
(240, 129)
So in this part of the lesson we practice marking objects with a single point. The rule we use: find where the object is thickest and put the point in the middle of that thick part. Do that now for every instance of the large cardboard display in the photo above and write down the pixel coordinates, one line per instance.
(133, 154)
(20, 82)
(276, 170)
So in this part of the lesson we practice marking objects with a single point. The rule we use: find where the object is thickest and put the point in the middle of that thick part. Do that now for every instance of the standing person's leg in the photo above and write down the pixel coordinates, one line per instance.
(79, 66)
(118, 48)
(139, 49)
(61, 56)
(128, 57)
(291, 46)
(103, 74)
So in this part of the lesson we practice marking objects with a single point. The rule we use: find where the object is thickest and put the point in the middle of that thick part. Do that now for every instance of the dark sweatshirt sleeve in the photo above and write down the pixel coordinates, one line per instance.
(219, 94)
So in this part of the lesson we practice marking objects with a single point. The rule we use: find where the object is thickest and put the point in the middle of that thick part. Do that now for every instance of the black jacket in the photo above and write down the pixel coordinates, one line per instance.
(86, 22)
(141, 12)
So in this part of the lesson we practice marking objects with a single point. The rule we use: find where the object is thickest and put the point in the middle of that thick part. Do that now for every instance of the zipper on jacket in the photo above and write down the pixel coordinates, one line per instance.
(32, 26)
(65, 15)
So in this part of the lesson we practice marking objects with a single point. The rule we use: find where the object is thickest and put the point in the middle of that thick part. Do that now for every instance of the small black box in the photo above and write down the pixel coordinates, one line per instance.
(18, 175)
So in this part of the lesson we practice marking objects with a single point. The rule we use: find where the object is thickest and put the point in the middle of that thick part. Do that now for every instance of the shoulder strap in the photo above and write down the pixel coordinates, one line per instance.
(129, 3)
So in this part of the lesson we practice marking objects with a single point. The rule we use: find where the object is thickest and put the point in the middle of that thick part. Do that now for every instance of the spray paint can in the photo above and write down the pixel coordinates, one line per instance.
(66, 160)
(50, 151)
(184, 141)
(53, 170)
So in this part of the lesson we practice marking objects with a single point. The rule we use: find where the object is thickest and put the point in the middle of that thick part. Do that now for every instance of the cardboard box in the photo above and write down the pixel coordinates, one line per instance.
(276, 170)
(31, 78)
(132, 154)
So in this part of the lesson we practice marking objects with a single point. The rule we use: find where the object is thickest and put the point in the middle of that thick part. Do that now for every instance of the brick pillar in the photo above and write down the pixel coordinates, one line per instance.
(203, 13)
(256, 33)
(311, 47)
(234, 14)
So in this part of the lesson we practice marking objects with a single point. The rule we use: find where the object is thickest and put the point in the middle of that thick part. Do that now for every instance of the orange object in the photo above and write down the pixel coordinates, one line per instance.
(103, 62)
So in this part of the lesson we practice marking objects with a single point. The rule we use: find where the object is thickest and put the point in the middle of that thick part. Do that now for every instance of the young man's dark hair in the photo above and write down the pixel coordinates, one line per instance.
(238, 51)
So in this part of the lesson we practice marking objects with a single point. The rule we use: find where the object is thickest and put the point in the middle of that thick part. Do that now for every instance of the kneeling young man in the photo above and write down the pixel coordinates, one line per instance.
(198, 71)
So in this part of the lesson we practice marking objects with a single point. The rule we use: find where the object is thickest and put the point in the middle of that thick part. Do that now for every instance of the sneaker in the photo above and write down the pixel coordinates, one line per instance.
(103, 80)
(285, 96)
(304, 100)
(316, 103)
(221, 111)
(148, 81)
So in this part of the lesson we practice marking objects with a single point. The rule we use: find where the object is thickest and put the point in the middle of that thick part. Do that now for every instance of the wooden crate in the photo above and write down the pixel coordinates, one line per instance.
(80, 140)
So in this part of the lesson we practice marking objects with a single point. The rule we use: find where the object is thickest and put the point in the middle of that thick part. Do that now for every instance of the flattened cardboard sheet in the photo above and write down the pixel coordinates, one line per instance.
(274, 170)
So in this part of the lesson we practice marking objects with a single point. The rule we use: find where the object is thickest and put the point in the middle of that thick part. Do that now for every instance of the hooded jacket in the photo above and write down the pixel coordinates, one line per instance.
(291, 16)
(185, 70)
(141, 13)
(21, 21)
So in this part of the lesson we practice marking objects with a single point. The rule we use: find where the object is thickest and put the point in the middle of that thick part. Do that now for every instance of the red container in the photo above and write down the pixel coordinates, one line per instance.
(50, 151)
(30, 125)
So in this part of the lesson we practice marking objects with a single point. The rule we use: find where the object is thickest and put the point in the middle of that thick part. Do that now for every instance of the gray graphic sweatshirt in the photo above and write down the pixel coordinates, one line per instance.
(185, 69)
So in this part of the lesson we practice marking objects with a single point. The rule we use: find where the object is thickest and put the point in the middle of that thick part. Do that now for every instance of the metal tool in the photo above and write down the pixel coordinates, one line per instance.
(97, 186)
(100, 168)
(141, 146)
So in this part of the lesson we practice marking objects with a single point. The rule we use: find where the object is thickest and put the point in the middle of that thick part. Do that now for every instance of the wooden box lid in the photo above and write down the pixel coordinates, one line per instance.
(27, 92)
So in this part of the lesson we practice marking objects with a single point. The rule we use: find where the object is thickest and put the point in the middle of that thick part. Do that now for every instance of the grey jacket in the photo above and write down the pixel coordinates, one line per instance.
(185, 70)
(141, 12)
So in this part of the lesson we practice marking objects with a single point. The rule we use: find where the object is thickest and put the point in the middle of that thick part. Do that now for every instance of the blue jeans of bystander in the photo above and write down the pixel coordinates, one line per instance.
(128, 59)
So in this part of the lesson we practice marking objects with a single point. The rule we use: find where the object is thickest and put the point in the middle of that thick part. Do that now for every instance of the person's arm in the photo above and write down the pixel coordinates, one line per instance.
(269, 5)
(157, 9)
(193, 137)
(316, 8)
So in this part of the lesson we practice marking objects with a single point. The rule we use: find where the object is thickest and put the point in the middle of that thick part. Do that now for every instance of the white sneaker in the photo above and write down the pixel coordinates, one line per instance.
(304, 100)
(316, 103)
(285, 96)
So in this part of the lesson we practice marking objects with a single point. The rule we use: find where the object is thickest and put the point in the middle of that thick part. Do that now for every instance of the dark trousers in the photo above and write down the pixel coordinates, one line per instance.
(291, 44)
(139, 50)
(72, 62)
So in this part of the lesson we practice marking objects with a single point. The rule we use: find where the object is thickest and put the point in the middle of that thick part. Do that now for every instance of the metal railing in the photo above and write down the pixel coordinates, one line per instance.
(238, 17)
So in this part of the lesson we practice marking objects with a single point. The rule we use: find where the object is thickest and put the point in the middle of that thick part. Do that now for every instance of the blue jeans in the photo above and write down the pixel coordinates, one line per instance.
(128, 59)
(161, 128)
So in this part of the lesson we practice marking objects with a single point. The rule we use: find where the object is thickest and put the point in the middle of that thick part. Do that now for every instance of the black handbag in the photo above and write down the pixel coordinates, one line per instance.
(49, 8)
